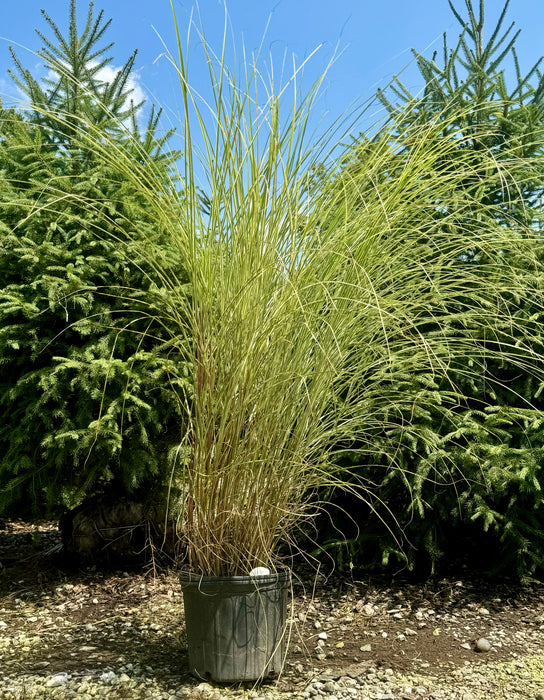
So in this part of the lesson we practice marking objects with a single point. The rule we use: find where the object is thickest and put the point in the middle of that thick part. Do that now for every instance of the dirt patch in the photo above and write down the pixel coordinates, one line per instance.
(410, 627)
(55, 619)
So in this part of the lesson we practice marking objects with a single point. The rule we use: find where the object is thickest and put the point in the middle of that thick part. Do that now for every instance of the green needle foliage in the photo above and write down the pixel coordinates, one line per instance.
(468, 82)
(85, 405)
(480, 468)
(73, 84)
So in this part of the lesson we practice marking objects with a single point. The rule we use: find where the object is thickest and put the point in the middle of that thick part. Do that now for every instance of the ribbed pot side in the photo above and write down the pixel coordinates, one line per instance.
(236, 625)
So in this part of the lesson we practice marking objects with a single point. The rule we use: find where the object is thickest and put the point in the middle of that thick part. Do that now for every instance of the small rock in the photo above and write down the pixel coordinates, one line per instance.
(204, 690)
(330, 687)
(183, 693)
(322, 635)
(109, 677)
(57, 680)
(366, 647)
(368, 610)
(317, 625)
(482, 645)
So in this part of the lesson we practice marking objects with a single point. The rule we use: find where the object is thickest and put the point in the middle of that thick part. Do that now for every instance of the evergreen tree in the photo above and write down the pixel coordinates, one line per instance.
(86, 406)
(469, 480)
(73, 87)
(470, 82)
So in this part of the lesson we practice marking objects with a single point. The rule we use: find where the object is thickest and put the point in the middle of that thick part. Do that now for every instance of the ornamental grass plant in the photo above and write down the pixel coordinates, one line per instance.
(320, 277)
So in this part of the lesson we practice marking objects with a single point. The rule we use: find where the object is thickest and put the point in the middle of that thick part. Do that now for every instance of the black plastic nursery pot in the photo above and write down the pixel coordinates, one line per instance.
(236, 625)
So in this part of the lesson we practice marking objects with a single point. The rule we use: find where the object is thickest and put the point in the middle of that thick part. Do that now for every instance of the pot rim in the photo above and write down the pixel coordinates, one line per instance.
(280, 574)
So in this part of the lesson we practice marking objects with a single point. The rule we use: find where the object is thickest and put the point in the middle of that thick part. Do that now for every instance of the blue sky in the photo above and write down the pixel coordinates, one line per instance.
(374, 38)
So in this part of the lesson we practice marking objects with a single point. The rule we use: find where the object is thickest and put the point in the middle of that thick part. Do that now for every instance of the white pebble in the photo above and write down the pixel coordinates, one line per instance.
(482, 645)
(109, 677)
(57, 680)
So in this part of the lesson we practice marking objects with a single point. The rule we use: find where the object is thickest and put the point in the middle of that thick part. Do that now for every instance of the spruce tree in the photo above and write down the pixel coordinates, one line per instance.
(73, 86)
(86, 407)
(469, 81)
(469, 481)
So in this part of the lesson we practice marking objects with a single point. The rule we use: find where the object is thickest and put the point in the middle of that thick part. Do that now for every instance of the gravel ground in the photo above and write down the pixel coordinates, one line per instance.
(91, 634)
(520, 679)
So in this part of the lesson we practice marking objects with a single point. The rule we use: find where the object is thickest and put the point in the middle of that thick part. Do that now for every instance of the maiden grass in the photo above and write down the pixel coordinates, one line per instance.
(318, 273)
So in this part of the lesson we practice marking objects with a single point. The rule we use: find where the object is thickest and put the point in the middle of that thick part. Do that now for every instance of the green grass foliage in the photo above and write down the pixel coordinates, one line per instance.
(360, 319)
(472, 492)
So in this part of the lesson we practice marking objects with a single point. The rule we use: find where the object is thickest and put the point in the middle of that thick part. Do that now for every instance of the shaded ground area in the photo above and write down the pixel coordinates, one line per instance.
(56, 619)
